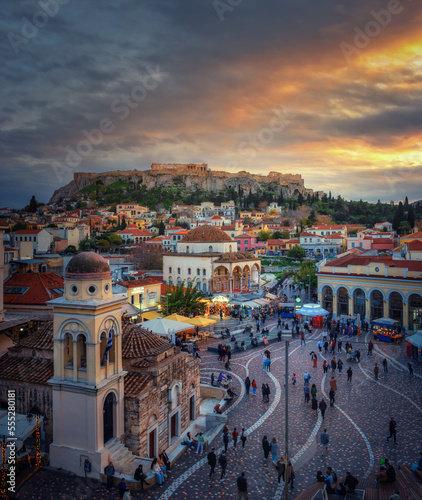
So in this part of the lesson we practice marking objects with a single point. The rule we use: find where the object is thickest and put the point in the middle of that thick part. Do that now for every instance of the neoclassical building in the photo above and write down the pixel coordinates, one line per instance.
(208, 258)
(109, 391)
(372, 286)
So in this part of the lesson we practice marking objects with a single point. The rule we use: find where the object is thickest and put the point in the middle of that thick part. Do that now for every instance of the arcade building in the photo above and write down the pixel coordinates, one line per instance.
(374, 287)
(108, 391)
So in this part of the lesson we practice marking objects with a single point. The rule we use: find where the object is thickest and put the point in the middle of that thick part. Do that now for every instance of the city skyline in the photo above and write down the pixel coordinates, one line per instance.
(328, 91)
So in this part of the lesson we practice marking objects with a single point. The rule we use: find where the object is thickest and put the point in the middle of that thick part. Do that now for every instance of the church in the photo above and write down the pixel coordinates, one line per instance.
(207, 257)
(105, 390)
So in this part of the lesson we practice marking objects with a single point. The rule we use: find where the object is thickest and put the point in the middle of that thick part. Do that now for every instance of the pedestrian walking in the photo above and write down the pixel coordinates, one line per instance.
(325, 366)
(357, 353)
(294, 379)
(254, 387)
(333, 365)
(314, 405)
(235, 435)
(266, 447)
(392, 426)
(314, 390)
(349, 374)
(333, 384)
(264, 391)
(340, 366)
(332, 395)
(339, 344)
(274, 450)
(376, 371)
(201, 441)
(212, 379)
(243, 438)
(247, 384)
(385, 365)
(302, 338)
(370, 347)
(410, 366)
(222, 460)
(322, 407)
(325, 439)
(290, 474)
(281, 469)
(226, 439)
(267, 393)
(242, 486)
(306, 378)
(109, 471)
(212, 461)
(306, 392)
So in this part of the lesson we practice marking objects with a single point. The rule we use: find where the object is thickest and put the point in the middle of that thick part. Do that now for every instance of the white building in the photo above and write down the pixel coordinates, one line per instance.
(40, 238)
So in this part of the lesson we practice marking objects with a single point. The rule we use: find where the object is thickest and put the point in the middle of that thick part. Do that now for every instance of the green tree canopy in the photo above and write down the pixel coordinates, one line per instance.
(296, 253)
(32, 205)
(161, 228)
(307, 269)
(264, 235)
(184, 300)
(18, 226)
(70, 249)
(115, 239)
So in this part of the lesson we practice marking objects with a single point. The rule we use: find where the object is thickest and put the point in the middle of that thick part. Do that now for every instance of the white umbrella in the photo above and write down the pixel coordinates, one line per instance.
(163, 326)
(312, 310)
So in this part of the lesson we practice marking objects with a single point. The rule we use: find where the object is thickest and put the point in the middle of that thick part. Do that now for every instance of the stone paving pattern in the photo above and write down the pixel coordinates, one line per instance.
(367, 403)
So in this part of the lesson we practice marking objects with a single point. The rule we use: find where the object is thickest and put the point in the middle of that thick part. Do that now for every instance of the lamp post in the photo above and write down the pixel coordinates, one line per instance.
(286, 337)
(309, 290)
(167, 299)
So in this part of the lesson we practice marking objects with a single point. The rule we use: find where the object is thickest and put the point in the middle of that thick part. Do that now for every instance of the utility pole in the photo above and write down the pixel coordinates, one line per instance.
(309, 290)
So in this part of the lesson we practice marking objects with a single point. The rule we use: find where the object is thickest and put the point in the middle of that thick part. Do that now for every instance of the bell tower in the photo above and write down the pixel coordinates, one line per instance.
(88, 381)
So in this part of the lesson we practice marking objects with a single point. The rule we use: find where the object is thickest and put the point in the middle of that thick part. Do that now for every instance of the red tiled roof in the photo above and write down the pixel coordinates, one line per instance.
(28, 231)
(332, 226)
(216, 217)
(334, 236)
(384, 241)
(276, 242)
(135, 382)
(168, 289)
(29, 370)
(309, 234)
(206, 234)
(40, 288)
(415, 236)
(134, 232)
(151, 280)
(41, 339)
(362, 260)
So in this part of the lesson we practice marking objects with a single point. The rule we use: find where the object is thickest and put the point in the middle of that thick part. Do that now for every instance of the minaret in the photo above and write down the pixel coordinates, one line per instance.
(88, 390)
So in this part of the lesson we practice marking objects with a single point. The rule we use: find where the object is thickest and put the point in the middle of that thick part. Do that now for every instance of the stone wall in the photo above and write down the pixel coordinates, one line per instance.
(154, 402)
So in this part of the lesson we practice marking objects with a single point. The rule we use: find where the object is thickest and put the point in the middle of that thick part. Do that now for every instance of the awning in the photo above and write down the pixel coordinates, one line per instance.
(261, 302)
(162, 326)
(24, 427)
(312, 310)
(128, 310)
(415, 339)
(270, 296)
(220, 298)
(178, 317)
(150, 315)
(385, 322)
(201, 321)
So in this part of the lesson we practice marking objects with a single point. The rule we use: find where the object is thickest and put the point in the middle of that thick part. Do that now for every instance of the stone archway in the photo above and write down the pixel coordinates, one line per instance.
(343, 301)
(108, 417)
(396, 307)
(359, 302)
(415, 310)
(327, 298)
(377, 304)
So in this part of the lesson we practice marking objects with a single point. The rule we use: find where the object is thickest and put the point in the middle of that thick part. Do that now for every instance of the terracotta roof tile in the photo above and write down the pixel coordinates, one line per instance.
(41, 339)
(31, 370)
(135, 382)
(206, 234)
(40, 288)
(139, 343)
(151, 280)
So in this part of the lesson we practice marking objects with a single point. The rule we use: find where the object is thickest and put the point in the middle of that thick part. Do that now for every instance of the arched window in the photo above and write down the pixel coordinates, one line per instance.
(198, 272)
(178, 270)
(170, 270)
(210, 248)
(187, 249)
(68, 351)
(81, 350)
(189, 271)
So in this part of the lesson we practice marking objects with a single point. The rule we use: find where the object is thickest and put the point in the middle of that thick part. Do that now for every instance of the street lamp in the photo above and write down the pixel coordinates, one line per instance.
(286, 337)
(167, 299)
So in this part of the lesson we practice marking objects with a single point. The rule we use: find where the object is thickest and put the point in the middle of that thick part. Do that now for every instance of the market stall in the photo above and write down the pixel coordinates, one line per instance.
(414, 346)
(386, 330)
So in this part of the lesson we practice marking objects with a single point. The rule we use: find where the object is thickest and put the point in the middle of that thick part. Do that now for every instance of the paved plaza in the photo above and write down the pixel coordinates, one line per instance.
(357, 425)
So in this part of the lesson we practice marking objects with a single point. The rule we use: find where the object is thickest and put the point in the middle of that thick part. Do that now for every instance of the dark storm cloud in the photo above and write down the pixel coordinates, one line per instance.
(223, 79)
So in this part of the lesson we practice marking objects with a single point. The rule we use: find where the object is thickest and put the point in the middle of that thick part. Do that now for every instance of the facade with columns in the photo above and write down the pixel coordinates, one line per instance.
(373, 287)
(208, 258)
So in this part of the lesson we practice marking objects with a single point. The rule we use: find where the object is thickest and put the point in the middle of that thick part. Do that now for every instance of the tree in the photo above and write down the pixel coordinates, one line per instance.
(123, 224)
(148, 256)
(184, 300)
(306, 270)
(19, 226)
(286, 223)
(52, 225)
(312, 217)
(70, 249)
(263, 206)
(161, 229)
(32, 207)
(404, 228)
(296, 253)
(115, 239)
(247, 221)
(277, 235)
(81, 204)
(411, 216)
(103, 243)
(264, 235)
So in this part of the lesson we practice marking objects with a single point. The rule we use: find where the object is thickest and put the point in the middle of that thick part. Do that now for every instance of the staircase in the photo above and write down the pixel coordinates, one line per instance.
(123, 459)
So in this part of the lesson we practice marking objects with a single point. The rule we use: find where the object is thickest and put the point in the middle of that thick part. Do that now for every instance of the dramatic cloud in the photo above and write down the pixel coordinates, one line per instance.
(330, 91)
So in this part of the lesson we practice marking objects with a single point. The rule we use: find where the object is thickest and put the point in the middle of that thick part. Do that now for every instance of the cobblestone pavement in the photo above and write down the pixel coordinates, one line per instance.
(357, 426)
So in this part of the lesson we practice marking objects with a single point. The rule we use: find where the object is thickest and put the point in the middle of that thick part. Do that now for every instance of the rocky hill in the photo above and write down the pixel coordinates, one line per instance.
(189, 177)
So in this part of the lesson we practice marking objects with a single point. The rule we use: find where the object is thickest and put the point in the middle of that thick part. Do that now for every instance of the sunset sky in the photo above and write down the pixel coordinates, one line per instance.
(241, 85)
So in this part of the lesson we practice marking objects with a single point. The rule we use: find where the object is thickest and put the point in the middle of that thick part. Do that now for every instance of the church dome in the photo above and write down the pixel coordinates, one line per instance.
(138, 342)
(87, 265)
(206, 234)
